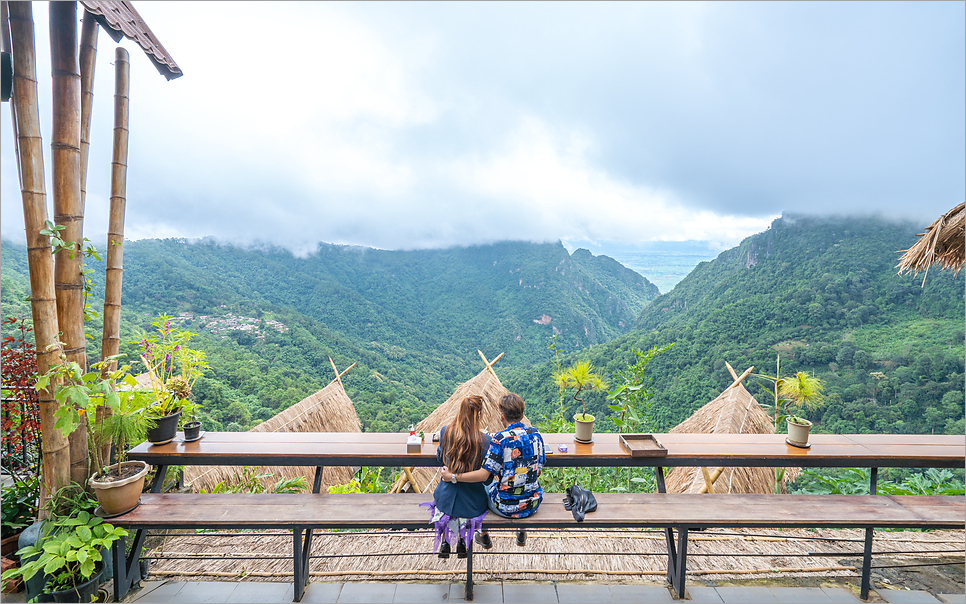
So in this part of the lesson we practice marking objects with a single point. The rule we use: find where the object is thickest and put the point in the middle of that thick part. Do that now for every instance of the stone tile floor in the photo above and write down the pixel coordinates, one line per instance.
(159, 592)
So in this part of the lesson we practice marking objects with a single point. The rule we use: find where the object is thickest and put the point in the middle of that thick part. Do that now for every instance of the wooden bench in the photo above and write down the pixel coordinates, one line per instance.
(302, 513)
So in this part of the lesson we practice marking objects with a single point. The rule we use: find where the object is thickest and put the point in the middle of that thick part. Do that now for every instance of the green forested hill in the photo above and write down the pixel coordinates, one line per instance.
(411, 320)
(822, 292)
(458, 299)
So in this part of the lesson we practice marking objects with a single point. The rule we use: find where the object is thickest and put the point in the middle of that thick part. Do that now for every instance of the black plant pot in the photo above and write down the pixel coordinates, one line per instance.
(164, 429)
(80, 593)
(192, 430)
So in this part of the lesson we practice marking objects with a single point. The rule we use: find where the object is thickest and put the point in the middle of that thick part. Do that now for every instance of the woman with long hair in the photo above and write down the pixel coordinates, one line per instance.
(459, 507)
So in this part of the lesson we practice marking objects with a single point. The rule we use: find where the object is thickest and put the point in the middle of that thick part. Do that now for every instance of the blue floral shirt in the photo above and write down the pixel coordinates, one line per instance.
(515, 459)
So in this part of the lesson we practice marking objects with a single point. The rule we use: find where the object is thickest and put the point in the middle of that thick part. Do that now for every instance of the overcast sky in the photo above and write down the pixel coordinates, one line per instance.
(422, 125)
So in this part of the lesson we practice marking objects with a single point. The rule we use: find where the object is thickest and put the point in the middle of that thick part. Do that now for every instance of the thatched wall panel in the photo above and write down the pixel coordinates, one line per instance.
(328, 410)
(485, 384)
(735, 411)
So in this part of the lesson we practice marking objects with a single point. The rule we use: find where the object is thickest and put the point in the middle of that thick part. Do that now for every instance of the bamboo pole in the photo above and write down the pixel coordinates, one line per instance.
(43, 303)
(68, 207)
(111, 338)
(710, 480)
(740, 378)
(88, 55)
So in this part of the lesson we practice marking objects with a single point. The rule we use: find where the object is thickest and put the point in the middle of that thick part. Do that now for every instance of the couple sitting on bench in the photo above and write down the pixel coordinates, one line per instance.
(481, 473)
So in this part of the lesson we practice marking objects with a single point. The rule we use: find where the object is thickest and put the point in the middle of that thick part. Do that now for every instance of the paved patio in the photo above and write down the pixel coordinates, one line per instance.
(516, 592)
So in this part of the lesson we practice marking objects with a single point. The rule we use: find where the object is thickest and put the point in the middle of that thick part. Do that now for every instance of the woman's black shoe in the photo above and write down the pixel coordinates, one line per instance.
(444, 549)
(521, 538)
(461, 549)
(483, 540)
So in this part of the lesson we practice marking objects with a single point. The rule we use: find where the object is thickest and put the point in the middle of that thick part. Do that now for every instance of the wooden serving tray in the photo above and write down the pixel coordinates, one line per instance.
(642, 445)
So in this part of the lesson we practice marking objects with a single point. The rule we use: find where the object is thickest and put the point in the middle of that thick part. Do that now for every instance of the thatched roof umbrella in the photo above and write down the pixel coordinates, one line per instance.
(735, 411)
(487, 385)
(942, 243)
(328, 410)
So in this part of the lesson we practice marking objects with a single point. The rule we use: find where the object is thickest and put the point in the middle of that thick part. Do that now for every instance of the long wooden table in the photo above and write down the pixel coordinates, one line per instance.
(389, 449)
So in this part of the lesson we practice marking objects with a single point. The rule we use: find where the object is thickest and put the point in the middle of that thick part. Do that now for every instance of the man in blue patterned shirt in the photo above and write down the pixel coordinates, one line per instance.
(514, 461)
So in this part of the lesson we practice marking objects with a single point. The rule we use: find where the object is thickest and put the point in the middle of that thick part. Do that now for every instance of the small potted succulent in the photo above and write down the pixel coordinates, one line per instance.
(172, 369)
(580, 376)
(192, 428)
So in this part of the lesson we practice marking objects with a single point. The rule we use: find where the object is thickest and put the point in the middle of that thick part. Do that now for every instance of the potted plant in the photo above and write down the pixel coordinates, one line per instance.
(580, 376)
(118, 486)
(172, 369)
(801, 392)
(19, 511)
(192, 428)
(70, 554)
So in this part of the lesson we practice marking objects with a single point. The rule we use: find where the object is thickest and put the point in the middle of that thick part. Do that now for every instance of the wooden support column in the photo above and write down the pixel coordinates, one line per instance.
(111, 338)
(43, 304)
(68, 208)
(88, 54)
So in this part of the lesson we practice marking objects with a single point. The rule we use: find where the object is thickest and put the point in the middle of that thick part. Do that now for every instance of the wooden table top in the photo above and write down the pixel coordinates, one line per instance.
(733, 450)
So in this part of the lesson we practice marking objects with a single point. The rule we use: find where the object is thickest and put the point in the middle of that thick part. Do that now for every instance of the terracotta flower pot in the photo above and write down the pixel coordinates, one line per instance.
(9, 545)
(122, 495)
(584, 429)
(798, 432)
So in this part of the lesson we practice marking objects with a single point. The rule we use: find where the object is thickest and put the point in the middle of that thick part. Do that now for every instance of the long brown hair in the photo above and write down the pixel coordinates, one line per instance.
(462, 440)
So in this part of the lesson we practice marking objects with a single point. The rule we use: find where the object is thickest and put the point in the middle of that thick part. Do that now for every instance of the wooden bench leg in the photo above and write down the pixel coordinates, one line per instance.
(867, 565)
(468, 596)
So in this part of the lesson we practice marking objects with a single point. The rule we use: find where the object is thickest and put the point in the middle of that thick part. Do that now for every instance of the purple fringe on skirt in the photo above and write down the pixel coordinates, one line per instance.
(441, 526)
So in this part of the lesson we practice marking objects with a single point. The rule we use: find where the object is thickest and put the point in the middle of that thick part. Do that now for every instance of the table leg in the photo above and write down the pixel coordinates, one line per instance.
(873, 480)
(317, 483)
(867, 565)
(659, 474)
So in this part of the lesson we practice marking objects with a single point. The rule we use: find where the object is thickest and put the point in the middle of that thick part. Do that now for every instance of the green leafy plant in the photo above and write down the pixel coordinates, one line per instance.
(19, 505)
(70, 554)
(81, 394)
(251, 482)
(633, 395)
(800, 391)
(369, 481)
(580, 376)
(171, 365)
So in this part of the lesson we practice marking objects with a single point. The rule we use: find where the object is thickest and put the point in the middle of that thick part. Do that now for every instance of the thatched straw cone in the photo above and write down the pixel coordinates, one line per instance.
(735, 411)
(942, 243)
(487, 385)
(328, 410)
